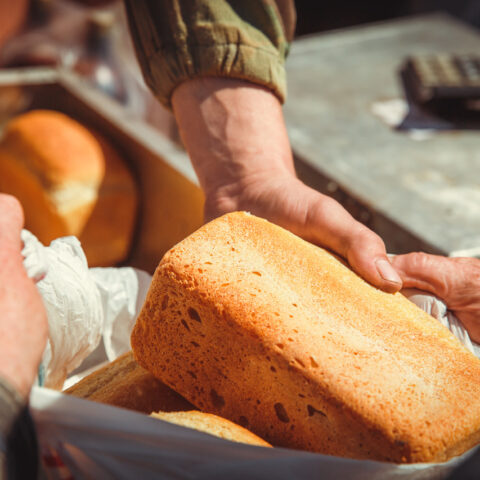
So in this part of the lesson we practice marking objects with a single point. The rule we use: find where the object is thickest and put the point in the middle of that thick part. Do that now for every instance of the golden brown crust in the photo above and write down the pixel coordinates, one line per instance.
(56, 148)
(70, 181)
(123, 383)
(41, 215)
(108, 233)
(250, 322)
(212, 424)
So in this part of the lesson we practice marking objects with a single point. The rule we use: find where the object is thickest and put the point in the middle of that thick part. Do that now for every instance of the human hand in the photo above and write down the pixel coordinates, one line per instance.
(454, 280)
(23, 321)
(235, 134)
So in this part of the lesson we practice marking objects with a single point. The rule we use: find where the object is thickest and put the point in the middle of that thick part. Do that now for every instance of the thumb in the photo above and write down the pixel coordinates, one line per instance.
(367, 256)
(11, 221)
(332, 226)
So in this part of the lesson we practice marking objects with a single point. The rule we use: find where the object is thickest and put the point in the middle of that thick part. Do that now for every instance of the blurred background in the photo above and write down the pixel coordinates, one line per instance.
(406, 171)
(91, 36)
(322, 15)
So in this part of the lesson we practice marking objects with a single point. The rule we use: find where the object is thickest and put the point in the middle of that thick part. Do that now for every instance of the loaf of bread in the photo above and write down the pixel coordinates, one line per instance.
(248, 321)
(212, 424)
(69, 183)
(124, 383)
(107, 236)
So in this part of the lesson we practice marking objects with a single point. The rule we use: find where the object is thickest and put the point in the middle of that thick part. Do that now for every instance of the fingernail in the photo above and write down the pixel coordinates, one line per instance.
(387, 272)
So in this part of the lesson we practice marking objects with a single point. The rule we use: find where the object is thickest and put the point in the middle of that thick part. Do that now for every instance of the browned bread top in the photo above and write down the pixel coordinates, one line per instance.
(248, 321)
(124, 383)
(56, 148)
(212, 424)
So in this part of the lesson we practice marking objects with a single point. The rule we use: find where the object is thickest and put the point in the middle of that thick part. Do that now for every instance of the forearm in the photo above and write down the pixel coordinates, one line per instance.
(232, 130)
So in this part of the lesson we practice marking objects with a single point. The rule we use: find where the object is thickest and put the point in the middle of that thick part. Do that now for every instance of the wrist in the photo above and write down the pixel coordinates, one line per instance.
(233, 131)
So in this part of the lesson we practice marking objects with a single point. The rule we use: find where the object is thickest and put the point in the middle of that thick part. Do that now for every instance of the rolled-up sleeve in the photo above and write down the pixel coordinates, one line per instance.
(177, 40)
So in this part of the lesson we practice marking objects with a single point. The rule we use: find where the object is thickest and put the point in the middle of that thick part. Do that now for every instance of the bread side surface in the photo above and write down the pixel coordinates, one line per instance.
(212, 424)
(124, 383)
(41, 215)
(108, 233)
(249, 322)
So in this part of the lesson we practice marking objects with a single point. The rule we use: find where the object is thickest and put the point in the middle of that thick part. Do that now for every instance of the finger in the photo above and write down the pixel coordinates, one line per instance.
(364, 250)
(470, 322)
(11, 221)
(431, 273)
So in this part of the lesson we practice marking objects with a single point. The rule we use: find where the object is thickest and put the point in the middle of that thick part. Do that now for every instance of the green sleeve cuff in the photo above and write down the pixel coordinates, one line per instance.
(167, 70)
(178, 40)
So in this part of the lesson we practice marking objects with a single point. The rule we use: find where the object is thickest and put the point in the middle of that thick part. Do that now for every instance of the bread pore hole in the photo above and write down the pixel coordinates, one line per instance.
(312, 410)
(164, 302)
(193, 314)
(300, 362)
(313, 363)
(243, 421)
(281, 413)
(257, 273)
(217, 400)
(185, 324)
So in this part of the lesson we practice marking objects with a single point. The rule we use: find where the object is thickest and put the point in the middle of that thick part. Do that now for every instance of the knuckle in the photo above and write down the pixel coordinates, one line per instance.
(418, 260)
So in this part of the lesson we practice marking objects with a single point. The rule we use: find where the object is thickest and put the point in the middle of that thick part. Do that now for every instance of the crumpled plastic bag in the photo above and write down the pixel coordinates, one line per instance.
(438, 309)
(85, 439)
(83, 305)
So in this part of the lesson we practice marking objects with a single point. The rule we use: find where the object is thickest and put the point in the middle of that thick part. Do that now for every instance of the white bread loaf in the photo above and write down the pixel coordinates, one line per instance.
(248, 321)
(69, 183)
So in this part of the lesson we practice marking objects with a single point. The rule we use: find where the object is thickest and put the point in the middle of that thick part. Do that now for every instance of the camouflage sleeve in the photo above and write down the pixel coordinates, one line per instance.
(176, 40)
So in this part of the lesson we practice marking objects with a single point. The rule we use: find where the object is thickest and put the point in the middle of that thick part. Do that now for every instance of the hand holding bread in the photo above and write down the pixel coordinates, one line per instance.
(454, 280)
(235, 134)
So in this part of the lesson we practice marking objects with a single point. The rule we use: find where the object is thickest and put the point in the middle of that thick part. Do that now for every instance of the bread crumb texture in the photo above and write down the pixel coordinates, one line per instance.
(124, 383)
(248, 321)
